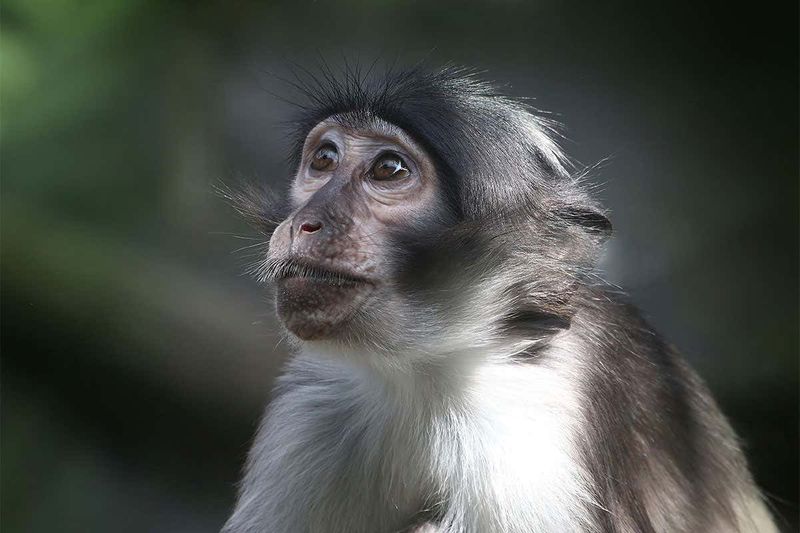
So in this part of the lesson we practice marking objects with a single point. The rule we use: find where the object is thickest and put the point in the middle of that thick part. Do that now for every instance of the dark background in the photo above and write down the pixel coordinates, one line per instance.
(136, 356)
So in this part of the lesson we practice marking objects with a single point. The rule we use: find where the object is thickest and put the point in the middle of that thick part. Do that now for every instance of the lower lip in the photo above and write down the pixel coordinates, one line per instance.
(304, 282)
(310, 292)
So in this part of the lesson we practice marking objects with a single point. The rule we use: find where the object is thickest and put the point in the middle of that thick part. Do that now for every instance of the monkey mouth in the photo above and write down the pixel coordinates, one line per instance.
(316, 301)
(299, 270)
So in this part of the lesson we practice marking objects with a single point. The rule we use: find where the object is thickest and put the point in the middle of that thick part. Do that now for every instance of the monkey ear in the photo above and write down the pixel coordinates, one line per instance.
(590, 219)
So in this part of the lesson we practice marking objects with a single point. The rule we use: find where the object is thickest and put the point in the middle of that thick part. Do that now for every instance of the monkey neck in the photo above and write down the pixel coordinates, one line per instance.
(444, 376)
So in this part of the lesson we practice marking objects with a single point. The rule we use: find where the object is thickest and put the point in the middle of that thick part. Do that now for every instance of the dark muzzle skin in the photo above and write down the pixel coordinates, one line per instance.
(312, 308)
(325, 279)
(317, 288)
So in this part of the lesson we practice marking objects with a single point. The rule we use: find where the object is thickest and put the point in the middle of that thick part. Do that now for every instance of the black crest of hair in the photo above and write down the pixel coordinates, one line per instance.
(492, 153)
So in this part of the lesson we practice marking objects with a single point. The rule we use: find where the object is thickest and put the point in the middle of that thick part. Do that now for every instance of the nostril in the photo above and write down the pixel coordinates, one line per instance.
(310, 227)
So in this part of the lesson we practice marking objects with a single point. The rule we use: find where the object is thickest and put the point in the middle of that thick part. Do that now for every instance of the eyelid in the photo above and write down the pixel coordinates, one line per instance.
(326, 144)
(405, 159)
(390, 152)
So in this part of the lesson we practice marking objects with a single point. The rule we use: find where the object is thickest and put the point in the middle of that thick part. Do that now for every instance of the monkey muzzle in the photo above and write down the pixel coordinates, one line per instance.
(315, 301)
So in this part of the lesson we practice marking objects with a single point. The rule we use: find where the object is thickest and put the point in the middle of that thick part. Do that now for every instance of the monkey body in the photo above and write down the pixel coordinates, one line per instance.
(484, 442)
(458, 367)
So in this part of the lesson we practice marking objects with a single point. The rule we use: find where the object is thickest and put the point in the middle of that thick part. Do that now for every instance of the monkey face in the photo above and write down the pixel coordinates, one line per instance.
(331, 258)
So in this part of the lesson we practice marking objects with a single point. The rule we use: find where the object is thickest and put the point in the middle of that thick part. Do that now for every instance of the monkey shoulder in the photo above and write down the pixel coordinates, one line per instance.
(652, 427)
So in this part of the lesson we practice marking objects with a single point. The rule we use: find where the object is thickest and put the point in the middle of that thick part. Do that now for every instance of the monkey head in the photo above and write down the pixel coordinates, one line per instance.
(424, 205)
(353, 188)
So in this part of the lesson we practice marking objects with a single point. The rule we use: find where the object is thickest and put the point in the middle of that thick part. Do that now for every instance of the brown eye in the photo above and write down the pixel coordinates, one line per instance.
(389, 167)
(325, 158)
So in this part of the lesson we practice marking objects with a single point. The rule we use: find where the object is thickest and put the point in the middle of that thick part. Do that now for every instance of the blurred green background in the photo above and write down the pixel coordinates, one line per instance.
(136, 357)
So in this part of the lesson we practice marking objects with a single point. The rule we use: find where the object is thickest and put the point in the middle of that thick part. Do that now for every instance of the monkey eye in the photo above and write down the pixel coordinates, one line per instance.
(389, 167)
(325, 158)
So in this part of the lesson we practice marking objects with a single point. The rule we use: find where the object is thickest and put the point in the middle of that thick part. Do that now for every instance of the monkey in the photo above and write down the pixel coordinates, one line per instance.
(459, 365)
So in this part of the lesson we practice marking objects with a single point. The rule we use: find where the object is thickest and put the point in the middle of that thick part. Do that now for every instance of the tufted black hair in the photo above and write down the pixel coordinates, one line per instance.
(494, 155)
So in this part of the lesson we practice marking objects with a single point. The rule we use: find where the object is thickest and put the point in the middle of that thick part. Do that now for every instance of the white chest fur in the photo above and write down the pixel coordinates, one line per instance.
(486, 448)
(510, 461)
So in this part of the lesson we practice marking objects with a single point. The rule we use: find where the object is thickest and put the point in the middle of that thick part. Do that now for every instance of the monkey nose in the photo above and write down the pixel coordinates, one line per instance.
(310, 227)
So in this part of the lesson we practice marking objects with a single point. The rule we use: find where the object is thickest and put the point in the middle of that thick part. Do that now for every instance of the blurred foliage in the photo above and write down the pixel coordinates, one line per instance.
(136, 358)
